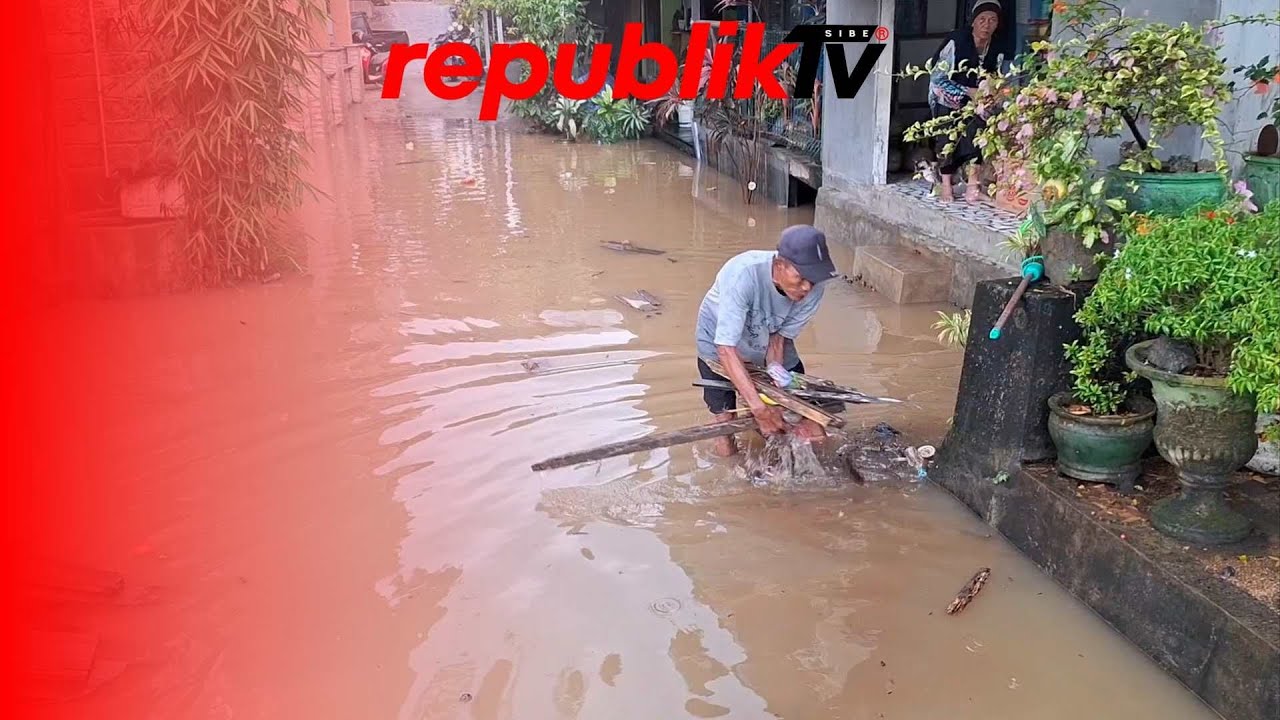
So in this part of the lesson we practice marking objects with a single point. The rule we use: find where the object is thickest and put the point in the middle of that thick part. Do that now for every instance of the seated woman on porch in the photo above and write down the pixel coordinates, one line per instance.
(952, 84)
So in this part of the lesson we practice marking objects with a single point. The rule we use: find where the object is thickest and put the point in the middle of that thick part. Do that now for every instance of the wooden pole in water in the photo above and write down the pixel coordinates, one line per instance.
(650, 442)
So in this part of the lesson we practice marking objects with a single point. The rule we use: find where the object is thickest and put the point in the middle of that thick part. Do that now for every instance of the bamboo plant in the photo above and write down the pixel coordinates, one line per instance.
(229, 79)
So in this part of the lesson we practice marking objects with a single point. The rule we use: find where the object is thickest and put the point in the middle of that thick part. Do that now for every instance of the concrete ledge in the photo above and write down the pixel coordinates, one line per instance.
(902, 274)
(107, 256)
(1219, 642)
(878, 215)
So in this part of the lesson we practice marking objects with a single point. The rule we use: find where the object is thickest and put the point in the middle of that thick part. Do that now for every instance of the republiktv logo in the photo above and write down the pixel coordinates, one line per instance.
(461, 61)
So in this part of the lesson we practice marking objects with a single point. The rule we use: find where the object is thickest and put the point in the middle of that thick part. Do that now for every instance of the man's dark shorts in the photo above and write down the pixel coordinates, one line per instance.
(719, 401)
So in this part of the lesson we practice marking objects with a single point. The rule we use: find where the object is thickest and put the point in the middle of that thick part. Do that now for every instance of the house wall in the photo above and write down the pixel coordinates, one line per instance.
(102, 122)
(1244, 46)
(1184, 141)
(855, 131)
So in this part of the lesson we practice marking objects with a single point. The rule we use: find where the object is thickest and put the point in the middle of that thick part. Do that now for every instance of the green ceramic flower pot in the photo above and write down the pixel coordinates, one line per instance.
(1262, 175)
(1104, 449)
(1161, 193)
(1207, 433)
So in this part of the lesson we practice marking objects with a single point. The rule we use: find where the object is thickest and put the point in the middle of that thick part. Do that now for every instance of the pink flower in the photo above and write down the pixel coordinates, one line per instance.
(1002, 126)
(1023, 99)
(1245, 194)
(1026, 131)
(1051, 96)
(1076, 99)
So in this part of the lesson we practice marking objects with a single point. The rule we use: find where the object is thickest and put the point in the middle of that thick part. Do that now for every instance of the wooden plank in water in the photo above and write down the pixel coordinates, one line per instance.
(649, 442)
(628, 247)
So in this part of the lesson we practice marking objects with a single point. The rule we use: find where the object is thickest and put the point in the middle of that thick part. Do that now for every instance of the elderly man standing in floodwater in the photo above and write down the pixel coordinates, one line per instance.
(760, 302)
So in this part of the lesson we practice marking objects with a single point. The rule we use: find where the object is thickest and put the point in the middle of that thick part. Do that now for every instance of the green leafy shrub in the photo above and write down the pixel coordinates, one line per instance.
(615, 120)
(1211, 279)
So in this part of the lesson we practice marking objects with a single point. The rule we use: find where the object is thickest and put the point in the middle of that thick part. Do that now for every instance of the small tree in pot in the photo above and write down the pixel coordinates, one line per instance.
(1208, 286)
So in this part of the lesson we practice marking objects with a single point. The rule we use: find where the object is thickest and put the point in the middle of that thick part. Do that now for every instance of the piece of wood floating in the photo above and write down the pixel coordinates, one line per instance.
(969, 591)
(628, 247)
(649, 442)
(73, 581)
(785, 399)
(61, 655)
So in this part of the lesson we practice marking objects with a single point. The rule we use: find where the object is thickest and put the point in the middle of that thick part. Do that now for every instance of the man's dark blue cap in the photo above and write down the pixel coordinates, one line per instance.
(806, 247)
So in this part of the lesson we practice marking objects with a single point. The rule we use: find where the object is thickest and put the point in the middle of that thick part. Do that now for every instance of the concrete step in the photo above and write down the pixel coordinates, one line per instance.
(902, 274)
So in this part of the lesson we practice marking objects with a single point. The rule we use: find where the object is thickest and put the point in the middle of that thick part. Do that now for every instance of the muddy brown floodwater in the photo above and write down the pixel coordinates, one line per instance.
(319, 493)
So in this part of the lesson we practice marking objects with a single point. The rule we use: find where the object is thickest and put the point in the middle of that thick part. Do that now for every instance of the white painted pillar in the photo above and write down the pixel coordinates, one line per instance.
(855, 132)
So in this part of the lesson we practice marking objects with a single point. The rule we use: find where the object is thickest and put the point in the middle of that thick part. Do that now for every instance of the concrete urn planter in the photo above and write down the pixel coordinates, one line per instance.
(1267, 459)
(1207, 433)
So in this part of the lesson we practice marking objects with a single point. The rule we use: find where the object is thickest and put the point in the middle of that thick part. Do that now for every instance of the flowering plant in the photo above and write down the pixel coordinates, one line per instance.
(1208, 279)
(1107, 75)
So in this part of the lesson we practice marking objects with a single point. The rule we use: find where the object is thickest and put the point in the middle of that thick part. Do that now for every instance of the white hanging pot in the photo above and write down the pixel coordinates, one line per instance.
(685, 113)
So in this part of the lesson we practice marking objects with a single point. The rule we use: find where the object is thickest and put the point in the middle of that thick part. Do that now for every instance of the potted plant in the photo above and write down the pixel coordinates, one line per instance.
(1202, 286)
(1101, 444)
(1104, 76)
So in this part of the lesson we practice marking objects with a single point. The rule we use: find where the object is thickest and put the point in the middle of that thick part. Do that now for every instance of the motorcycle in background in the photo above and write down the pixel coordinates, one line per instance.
(373, 63)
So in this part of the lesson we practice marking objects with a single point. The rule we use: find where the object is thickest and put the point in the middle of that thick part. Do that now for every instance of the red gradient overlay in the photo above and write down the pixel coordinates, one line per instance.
(29, 487)
(55, 504)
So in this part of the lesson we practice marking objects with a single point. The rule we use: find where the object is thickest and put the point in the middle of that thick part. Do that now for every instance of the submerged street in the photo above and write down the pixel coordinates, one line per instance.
(327, 507)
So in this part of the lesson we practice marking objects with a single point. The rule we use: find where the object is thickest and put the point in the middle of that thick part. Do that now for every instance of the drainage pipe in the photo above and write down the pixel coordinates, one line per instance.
(97, 77)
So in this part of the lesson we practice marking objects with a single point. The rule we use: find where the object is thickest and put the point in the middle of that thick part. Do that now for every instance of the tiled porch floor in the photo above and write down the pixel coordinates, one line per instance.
(982, 214)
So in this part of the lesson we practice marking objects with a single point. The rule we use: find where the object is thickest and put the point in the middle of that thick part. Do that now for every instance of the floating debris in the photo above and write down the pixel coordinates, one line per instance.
(969, 591)
(640, 300)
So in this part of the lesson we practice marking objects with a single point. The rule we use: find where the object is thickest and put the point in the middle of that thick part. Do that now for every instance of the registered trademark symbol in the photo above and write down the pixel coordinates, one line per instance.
(882, 33)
